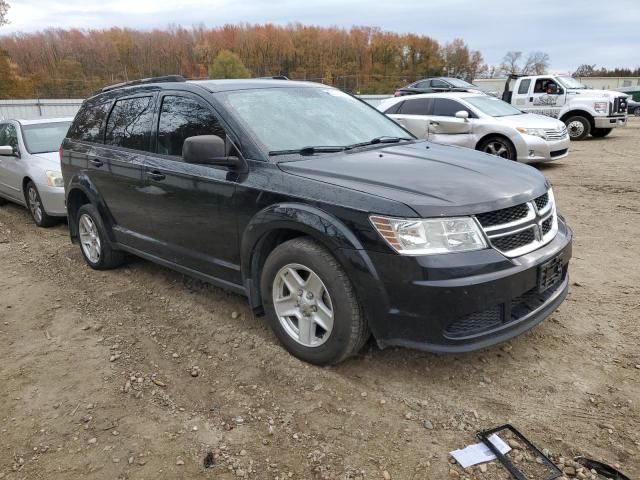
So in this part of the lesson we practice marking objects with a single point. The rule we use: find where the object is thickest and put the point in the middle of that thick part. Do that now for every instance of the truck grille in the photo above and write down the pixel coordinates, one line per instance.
(619, 106)
(556, 133)
(520, 229)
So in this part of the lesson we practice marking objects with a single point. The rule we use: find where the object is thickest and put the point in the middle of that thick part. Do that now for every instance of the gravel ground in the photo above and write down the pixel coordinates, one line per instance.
(143, 373)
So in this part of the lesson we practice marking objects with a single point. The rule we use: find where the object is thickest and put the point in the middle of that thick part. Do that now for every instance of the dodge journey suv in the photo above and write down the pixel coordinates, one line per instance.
(332, 219)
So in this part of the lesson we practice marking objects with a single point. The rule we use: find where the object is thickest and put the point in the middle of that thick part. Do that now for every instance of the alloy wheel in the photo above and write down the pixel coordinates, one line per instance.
(89, 238)
(303, 305)
(497, 148)
(35, 206)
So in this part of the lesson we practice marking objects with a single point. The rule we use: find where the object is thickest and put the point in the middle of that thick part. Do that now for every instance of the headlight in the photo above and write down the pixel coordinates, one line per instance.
(426, 237)
(54, 179)
(536, 132)
(601, 107)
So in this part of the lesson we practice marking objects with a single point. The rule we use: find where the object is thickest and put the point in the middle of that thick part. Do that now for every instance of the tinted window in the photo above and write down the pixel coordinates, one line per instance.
(9, 136)
(44, 137)
(418, 106)
(129, 124)
(444, 107)
(523, 89)
(424, 84)
(181, 118)
(88, 125)
(394, 108)
(439, 84)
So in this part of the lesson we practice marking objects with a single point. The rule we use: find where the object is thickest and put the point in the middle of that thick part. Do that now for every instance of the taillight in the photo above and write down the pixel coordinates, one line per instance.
(397, 94)
(60, 153)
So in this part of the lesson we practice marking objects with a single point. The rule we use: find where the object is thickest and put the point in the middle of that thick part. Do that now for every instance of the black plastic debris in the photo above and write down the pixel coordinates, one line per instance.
(208, 460)
(542, 461)
(601, 468)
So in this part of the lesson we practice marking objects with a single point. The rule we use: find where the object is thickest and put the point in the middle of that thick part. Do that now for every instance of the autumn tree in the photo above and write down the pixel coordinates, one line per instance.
(227, 65)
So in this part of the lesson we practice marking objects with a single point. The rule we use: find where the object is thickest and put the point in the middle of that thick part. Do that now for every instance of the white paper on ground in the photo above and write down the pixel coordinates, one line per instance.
(479, 452)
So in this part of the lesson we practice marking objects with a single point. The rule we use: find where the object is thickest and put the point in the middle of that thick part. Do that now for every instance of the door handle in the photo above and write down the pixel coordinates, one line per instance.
(155, 175)
(434, 124)
(96, 163)
(531, 99)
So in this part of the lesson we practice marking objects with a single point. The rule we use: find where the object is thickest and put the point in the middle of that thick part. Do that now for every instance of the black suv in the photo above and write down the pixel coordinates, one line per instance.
(331, 218)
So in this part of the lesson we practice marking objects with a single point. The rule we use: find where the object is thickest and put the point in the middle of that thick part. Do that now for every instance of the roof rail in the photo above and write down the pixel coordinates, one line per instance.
(142, 81)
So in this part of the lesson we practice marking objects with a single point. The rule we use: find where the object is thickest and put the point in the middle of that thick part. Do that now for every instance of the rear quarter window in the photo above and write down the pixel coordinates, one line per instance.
(393, 108)
(88, 126)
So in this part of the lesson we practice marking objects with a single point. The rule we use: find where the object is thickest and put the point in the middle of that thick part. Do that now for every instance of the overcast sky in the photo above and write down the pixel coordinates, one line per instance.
(572, 32)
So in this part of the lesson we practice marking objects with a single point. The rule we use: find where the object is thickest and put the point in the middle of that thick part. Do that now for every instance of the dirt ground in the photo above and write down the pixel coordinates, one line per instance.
(98, 377)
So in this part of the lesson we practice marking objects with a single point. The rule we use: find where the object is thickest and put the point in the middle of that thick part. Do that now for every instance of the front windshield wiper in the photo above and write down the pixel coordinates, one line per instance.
(377, 140)
(308, 150)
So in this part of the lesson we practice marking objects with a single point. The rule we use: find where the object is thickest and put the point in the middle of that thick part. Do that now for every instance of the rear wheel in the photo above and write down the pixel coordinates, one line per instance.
(498, 146)
(600, 132)
(3, 201)
(579, 127)
(311, 304)
(94, 242)
(34, 203)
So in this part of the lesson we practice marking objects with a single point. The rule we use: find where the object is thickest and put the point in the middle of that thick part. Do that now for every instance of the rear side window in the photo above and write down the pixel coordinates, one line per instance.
(181, 118)
(444, 107)
(394, 108)
(88, 126)
(417, 106)
(523, 89)
(129, 124)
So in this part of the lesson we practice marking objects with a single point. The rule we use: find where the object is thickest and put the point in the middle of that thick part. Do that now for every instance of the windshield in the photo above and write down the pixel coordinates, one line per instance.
(456, 82)
(570, 82)
(492, 106)
(44, 137)
(299, 117)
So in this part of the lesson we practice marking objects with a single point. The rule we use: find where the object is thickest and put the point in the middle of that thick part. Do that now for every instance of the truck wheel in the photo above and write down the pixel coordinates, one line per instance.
(94, 242)
(579, 127)
(36, 208)
(600, 132)
(311, 304)
(498, 146)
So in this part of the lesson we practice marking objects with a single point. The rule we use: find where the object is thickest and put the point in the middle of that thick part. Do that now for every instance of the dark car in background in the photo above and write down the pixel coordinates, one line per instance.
(439, 84)
(332, 219)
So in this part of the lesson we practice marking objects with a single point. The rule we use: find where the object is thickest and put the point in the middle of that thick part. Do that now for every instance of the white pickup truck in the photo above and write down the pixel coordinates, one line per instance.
(583, 110)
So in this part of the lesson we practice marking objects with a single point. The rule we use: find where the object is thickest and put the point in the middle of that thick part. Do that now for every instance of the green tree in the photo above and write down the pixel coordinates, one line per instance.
(227, 65)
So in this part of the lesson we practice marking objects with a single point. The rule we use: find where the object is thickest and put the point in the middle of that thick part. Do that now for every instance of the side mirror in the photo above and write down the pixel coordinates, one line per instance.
(208, 150)
(7, 151)
(462, 114)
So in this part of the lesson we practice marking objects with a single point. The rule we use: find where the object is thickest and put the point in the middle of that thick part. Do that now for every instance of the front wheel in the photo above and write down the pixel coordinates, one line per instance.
(579, 127)
(637, 112)
(498, 146)
(311, 304)
(34, 203)
(600, 132)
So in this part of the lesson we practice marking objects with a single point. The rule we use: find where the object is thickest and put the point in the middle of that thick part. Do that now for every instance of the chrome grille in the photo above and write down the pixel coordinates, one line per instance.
(556, 133)
(520, 229)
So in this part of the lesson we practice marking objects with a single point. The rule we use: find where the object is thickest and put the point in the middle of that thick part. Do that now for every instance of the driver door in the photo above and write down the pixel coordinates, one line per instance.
(10, 165)
(542, 96)
(444, 127)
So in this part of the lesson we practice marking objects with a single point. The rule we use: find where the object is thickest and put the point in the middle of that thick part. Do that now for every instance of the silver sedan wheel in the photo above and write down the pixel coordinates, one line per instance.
(35, 206)
(498, 148)
(576, 128)
(637, 113)
(89, 238)
(303, 305)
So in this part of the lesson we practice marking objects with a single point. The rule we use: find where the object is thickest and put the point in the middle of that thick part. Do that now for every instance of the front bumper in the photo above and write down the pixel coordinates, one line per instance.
(609, 122)
(461, 302)
(536, 149)
(52, 200)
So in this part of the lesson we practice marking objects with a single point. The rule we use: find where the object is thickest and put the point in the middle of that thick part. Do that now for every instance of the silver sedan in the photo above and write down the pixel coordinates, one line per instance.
(30, 167)
(480, 122)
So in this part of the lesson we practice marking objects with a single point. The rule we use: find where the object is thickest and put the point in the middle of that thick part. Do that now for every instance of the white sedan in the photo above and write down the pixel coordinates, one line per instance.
(480, 122)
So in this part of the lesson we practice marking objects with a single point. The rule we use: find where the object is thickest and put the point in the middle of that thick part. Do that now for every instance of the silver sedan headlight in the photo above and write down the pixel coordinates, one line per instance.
(536, 132)
(409, 236)
(54, 179)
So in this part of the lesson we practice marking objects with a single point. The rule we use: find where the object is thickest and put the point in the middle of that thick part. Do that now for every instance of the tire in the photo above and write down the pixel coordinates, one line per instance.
(498, 146)
(600, 132)
(94, 242)
(36, 208)
(3, 201)
(637, 112)
(579, 127)
(337, 328)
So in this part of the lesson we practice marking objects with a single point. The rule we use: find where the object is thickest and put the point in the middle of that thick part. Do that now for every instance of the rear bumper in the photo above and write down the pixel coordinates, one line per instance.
(609, 122)
(53, 200)
(461, 302)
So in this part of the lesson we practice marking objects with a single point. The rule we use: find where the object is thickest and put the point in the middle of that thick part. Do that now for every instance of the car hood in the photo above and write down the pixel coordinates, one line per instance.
(433, 180)
(49, 158)
(531, 120)
(595, 93)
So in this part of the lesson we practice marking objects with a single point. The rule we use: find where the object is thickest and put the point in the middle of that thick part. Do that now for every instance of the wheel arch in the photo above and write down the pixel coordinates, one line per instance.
(578, 112)
(497, 135)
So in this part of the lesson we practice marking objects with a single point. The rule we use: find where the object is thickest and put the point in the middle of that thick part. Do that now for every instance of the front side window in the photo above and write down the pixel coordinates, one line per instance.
(9, 136)
(424, 84)
(439, 84)
(418, 106)
(444, 107)
(291, 118)
(181, 118)
(543, 85)
(493, 106)
(88, 126)
(523, 89)
(129, 124)
(44, 137)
